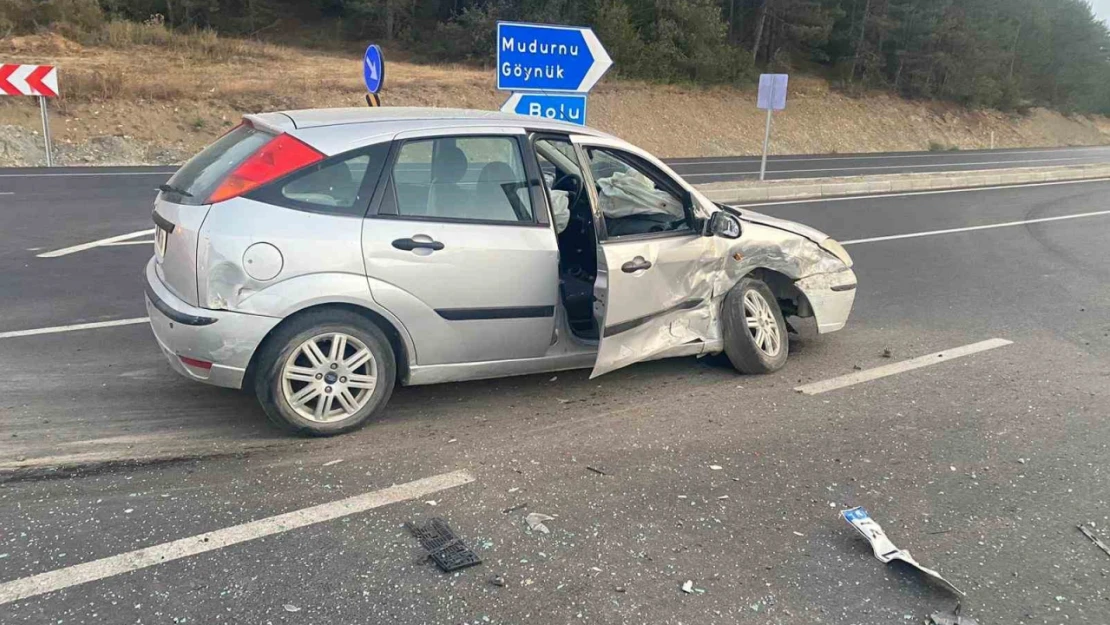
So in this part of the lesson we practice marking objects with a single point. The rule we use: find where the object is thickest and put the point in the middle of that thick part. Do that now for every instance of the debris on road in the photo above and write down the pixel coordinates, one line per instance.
(951, 618)
(715, 467)
(598, 471)
(688, 587)
(1095, 539)
(442, 546)
(289, 607)
(497, 580)
(888, 353)
(519, 506)
(885, 550)
(333, 462)
(536, 522)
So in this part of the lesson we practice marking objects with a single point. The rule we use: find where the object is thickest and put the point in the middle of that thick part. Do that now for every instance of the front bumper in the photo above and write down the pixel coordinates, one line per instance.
(225, 339)
(831, 295)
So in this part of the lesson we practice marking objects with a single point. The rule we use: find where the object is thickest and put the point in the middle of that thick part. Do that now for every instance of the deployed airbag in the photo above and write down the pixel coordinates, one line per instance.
(626, 194)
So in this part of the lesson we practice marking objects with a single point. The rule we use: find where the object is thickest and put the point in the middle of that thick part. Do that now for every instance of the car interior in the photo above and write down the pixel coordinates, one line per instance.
(577, 240)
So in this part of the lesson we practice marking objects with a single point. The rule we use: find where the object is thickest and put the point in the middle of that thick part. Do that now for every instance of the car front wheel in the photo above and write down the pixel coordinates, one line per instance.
(325, 373)
(754, 329)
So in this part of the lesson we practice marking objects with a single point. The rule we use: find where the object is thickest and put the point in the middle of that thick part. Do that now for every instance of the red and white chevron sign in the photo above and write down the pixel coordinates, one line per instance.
(41, 80)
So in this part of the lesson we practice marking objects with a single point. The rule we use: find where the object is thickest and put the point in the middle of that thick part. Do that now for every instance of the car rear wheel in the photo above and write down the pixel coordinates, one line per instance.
(325, 373)
(755, 331)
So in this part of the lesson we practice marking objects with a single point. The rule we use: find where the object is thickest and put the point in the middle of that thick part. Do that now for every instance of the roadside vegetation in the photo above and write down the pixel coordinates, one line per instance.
(156, 89)
(1004, 54)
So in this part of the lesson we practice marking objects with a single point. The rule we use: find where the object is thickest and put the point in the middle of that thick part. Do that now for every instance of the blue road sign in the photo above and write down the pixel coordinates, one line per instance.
(563, 107)
(373, 68)
(772, 91)
(538, 57)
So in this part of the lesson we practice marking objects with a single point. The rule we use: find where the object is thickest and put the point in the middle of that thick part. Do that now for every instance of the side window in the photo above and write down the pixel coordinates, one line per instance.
(462, 178)
(340, 186)
(334, 185)
(632, 200)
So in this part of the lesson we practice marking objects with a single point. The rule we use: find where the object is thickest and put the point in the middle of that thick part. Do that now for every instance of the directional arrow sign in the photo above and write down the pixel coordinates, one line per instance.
(568, 108)
(40, 80)
(537, 57)
(373, 68)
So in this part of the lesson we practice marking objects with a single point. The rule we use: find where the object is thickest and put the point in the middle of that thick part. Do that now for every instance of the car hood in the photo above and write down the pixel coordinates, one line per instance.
(812, 234)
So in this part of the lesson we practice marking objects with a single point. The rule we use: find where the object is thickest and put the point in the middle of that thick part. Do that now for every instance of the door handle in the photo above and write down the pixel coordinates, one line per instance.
(409, 245)
(636, 264)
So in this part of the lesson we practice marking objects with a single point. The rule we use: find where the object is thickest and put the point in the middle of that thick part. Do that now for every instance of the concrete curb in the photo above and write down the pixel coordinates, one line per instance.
(815, 188)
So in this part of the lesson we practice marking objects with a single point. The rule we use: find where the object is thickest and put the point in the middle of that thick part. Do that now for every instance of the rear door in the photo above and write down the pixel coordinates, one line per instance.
(652, 260)
(180, 209)
(460, 248)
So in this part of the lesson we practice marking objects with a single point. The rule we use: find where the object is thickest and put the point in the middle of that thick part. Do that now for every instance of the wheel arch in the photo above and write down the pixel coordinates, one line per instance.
(792, 301)
(398, 341)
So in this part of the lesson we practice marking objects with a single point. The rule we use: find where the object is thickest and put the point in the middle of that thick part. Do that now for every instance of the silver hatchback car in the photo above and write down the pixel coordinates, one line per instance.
(320, 257)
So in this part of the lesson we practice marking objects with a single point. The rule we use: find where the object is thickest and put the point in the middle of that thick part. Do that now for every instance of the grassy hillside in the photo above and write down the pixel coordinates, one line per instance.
(143, 94)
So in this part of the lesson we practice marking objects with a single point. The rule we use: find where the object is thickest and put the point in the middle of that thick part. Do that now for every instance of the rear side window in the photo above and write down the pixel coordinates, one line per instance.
(469, 178)
(340, 185)
(203, 173)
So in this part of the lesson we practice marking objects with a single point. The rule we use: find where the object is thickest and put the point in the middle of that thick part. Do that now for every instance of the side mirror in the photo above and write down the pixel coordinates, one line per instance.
(723, 225)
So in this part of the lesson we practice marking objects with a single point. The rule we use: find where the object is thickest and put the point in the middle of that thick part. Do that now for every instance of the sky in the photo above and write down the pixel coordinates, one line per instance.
(1102, 8)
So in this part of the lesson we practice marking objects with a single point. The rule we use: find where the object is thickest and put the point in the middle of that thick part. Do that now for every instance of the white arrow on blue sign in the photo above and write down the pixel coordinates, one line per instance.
(373, 68)
(563, 107)
(539, 57)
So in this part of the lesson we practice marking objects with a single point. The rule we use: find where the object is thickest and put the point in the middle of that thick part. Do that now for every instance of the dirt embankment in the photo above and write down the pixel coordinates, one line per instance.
(130, 103)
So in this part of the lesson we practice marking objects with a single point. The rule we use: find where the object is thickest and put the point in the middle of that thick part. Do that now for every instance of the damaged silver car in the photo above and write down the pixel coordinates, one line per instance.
(320, 257)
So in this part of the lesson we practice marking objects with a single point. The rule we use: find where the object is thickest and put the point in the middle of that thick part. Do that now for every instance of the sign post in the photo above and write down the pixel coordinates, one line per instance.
(46, 130)
(373, 74)
(772, 97)
(33, 80)
(549, 69)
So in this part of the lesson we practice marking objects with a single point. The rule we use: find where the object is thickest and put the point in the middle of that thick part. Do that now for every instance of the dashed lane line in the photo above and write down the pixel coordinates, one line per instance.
(859, 377)
(59, 579)
(74, 327)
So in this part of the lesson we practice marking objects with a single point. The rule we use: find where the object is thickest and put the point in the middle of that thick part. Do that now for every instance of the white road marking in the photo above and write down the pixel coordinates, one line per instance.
(119, 243)
(1008, 224)
(90, 173)
(91, 244)
(877, 196)
(7, 192)
(73, 328)
(859, 377)
(849, 157)
(210, 541)
(872, 168)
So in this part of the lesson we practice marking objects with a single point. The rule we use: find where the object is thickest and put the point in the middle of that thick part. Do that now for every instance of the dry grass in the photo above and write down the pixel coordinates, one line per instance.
(172, 89)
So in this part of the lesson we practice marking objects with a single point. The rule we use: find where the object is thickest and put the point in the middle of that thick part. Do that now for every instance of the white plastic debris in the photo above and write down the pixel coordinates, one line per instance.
(333, 462)
(715, 467)
(688, 587)
(289, 607)
(885, 550)
(951, 618)
(536, 522)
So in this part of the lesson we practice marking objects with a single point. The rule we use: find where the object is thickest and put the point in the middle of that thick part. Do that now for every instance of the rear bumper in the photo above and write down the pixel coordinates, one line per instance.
(831, 295)
(225, 339)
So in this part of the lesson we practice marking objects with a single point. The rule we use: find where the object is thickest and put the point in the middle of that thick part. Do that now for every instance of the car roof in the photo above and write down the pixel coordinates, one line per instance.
(402, 118)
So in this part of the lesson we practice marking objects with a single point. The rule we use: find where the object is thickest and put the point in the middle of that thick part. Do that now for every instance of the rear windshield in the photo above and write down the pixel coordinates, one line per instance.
(204, 172)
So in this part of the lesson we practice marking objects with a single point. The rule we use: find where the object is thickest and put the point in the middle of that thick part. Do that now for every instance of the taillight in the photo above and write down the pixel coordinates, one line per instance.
(283, 155)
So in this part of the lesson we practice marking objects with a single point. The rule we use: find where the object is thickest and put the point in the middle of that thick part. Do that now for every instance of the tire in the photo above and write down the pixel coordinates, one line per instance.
(293, 382)
(745, 354)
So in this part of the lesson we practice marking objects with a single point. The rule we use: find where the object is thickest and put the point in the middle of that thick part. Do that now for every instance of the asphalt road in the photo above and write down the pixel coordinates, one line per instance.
(982, 466)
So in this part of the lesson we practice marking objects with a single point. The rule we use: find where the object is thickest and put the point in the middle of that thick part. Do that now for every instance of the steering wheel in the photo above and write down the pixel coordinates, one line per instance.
(576, 188)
